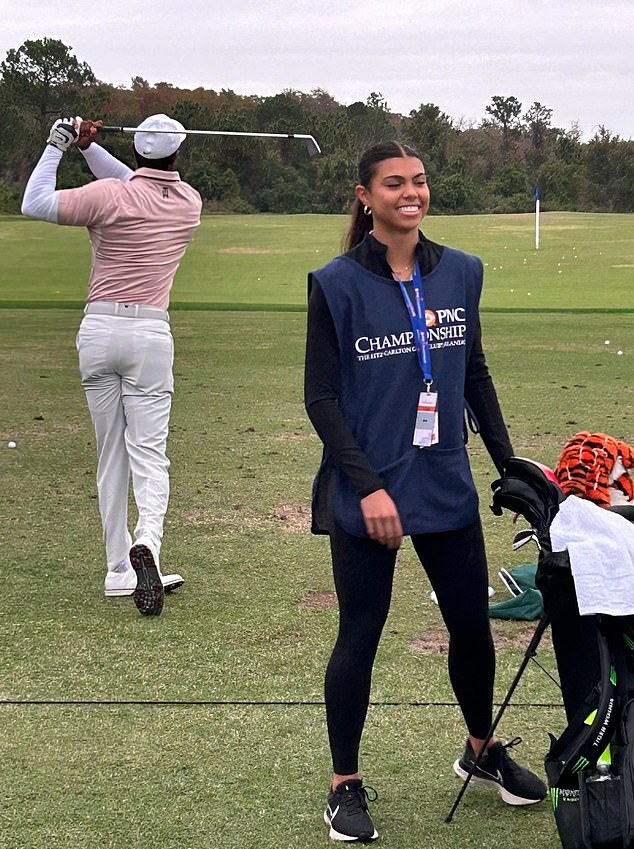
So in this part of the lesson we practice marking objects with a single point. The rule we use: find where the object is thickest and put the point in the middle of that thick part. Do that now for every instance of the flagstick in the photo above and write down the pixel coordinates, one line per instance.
(537, 219)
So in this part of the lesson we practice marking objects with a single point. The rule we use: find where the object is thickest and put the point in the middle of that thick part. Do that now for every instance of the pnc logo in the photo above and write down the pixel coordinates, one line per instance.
(430, 318)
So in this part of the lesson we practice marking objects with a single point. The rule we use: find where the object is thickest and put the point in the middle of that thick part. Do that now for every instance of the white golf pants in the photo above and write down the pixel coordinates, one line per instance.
(126, 371)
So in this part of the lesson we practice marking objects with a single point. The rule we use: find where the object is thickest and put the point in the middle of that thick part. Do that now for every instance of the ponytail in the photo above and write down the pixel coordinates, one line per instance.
(360, 226)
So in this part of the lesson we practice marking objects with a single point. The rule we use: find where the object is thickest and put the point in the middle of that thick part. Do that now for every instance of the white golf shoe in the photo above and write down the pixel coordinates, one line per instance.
(124, 583)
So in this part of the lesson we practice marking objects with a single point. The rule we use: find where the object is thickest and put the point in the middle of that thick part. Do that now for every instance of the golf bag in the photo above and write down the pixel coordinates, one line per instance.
(590, 767)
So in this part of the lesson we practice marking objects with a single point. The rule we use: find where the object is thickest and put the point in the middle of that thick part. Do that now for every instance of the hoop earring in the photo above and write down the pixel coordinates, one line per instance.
(367, 210)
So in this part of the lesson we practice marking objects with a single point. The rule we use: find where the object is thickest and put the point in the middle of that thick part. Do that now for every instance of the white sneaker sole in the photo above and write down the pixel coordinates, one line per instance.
(507, 797)
(335, 835)
(169, 587)
(116, 593)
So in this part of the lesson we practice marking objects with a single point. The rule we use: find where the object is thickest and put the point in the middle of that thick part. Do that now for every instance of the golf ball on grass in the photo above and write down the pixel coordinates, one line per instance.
(11, 444)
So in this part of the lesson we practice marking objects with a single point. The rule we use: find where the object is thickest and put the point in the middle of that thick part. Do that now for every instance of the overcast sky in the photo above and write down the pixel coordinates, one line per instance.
(572, 56)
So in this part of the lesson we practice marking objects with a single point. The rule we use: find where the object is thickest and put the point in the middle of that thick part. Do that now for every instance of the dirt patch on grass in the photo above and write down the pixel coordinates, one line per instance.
(318, 600)
(432, 642)
(196, 516)
(294, 518)
(247, 517)
(437, 641)
(295, 436)
(238, 514)
(37, 431)
(520, 639)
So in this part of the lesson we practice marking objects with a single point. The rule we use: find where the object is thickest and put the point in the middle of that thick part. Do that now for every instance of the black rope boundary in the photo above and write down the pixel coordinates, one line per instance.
(235, 703)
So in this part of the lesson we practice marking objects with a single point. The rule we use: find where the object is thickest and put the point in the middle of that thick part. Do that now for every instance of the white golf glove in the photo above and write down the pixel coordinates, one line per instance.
(64, 132)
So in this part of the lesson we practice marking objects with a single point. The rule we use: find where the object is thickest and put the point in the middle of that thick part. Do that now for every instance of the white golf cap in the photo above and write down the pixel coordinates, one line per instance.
(161, 137)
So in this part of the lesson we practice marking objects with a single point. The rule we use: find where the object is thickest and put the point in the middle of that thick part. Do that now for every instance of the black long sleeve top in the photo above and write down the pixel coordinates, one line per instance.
(322, 376)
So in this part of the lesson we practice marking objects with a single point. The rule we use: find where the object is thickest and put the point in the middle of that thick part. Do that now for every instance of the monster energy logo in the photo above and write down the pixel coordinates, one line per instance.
(554, 797)
(613, 675)
(581, 763)
(558, 795)
(628, 642)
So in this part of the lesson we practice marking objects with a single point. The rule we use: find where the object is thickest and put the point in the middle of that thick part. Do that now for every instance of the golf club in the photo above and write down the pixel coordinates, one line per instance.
(313, 147)
(510, 583)
(530, 653)
(523, 537)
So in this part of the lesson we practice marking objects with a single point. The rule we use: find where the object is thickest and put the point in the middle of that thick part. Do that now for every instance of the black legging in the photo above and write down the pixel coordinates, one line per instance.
(455, 563)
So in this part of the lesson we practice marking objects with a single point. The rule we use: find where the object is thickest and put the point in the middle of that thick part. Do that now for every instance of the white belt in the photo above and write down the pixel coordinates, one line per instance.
(125, 310)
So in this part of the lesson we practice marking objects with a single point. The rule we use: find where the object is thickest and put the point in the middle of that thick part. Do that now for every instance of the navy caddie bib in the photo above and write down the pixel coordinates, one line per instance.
(381, 381)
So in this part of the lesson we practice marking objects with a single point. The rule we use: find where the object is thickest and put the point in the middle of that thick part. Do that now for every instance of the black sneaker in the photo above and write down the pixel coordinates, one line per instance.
(149, 593)
(515, 784)
(347, 812)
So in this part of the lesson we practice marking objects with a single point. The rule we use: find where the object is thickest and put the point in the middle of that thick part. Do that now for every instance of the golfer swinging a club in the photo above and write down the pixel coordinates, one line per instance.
(140, 223)
(393, 358)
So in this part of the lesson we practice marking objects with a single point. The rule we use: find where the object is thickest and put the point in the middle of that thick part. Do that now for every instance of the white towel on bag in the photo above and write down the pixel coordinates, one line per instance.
(600, 547)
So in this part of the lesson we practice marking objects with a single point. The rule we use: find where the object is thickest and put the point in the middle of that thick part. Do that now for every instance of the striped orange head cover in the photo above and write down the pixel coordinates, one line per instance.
(595, 466)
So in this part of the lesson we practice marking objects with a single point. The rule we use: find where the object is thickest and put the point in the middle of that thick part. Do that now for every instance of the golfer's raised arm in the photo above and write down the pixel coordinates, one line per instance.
(40, 196)
(102, 163)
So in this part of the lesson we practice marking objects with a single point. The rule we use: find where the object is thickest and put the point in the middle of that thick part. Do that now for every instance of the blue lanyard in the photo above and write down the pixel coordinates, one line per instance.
(419, 325)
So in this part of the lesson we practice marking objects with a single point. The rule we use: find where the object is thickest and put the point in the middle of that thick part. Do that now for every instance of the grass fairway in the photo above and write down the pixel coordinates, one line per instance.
(204, 728)
(585, 261)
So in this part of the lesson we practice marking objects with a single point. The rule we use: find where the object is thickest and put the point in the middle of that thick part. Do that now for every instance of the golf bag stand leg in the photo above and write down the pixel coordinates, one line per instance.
(530, 652)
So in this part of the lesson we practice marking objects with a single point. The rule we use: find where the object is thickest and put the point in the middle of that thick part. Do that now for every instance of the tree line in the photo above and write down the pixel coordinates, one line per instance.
(492, 166)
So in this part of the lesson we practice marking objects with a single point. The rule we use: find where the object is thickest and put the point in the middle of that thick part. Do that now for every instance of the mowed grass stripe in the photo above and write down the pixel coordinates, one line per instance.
(246, 307)
(585, 261)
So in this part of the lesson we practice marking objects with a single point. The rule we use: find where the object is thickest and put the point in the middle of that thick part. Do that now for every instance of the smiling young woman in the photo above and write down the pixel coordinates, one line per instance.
(397, 198)
(393, 357)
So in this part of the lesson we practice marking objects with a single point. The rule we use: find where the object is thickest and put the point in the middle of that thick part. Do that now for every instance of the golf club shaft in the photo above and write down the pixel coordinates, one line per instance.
(530, 653)
(313, 147)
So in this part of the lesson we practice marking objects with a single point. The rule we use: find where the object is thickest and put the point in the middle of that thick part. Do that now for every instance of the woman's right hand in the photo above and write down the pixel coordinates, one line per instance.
(381, 518)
